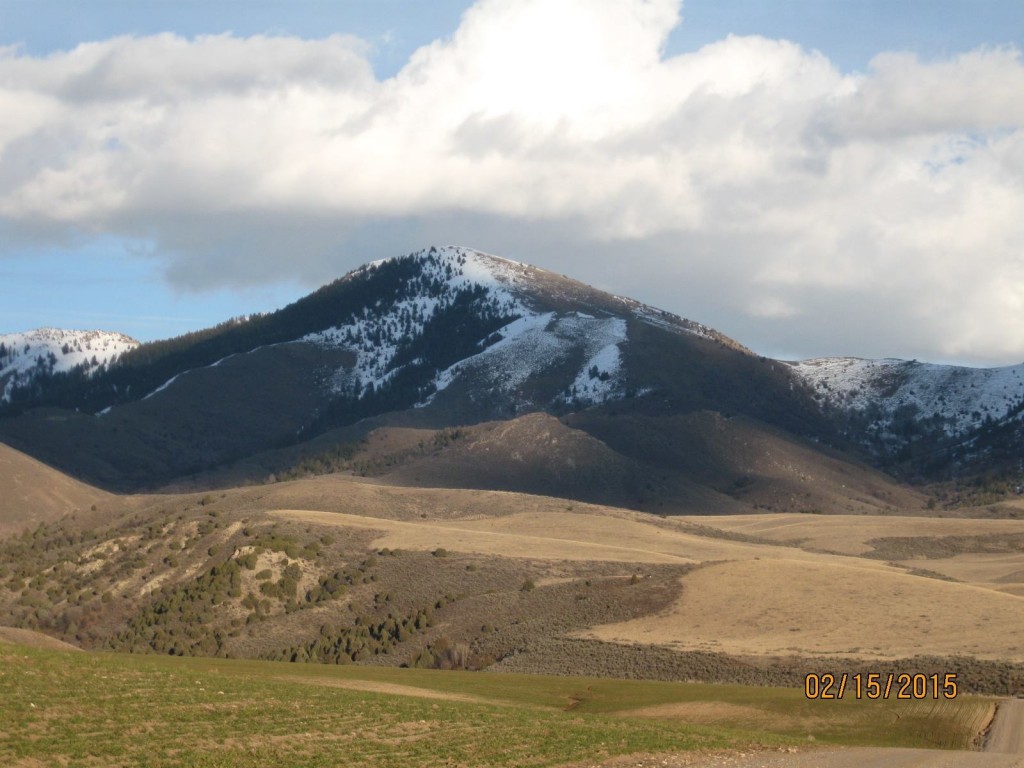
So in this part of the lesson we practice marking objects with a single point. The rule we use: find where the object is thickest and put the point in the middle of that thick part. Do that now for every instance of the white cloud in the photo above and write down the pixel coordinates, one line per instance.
(752, 184)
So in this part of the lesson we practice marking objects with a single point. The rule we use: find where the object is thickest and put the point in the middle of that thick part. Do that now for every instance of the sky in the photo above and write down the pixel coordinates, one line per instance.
(810, 177)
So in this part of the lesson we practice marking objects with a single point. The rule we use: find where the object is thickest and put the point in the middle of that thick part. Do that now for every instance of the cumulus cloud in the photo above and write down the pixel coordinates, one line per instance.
(748, 184)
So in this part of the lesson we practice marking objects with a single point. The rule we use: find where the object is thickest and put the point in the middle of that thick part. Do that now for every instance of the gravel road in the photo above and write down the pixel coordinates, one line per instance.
(1006, 736)
(1004, 748)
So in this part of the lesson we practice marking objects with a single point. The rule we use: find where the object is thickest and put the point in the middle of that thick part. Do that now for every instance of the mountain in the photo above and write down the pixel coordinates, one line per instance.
(442, 337)
(640, 407)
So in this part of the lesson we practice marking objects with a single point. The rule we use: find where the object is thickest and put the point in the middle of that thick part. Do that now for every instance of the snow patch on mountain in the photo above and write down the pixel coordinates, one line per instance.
(26, 355)
(525, 345)
(375, 338)
(523, 348)
(376, 335)
(599, 381)
(537, 342)
(165, 385)
(957, 398)
(671, 322)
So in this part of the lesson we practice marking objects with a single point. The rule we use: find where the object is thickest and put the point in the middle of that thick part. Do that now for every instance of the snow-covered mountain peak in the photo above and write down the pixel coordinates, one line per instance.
(524, 338)
(26, 355)
(436, 279)
(462, 264)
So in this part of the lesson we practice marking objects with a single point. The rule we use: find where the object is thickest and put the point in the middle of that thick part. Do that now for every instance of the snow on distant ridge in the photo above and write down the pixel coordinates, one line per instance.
(961, 397)
(49, 350)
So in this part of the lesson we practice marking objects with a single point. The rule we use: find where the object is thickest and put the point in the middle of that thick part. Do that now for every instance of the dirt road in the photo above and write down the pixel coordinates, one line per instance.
(1006, 736)
(1004, 748)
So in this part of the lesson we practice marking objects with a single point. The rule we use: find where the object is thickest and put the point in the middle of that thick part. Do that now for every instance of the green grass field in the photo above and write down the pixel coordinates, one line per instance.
(65, 708)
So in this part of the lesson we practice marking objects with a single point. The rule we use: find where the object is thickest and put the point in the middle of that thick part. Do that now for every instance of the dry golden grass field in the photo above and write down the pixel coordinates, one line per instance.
(521, 583)
(795, 595)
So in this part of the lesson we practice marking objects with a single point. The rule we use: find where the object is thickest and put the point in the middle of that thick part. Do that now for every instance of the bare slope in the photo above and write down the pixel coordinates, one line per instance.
(854, 534)
(783, 607)
(30, 639)
(988, 553)
(540, 454)
(746, 459)
(31, 492)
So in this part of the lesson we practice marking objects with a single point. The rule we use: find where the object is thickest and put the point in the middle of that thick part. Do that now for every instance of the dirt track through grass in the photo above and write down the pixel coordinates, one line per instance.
(1007, 733)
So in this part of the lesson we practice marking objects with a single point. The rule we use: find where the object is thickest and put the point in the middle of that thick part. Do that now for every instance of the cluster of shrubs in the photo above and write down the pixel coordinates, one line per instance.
(363, 638)
(184, 618)
(274, 541)
(338, 458)
(181, 620)
(44, 587)
(442, 653)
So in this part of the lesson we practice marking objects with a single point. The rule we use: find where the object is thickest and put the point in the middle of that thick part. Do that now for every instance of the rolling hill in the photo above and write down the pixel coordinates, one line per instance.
(32, 493)
(339, 569)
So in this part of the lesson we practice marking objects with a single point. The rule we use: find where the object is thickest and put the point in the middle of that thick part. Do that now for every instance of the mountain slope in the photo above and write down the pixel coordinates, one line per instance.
(441, 337)
(693, 463)
(450, 337)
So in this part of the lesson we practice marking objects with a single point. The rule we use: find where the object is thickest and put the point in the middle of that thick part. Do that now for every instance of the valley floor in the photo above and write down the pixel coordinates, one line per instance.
(765, 585)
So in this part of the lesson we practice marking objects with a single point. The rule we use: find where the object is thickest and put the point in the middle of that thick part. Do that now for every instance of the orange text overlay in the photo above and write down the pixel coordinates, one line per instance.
(879, 685)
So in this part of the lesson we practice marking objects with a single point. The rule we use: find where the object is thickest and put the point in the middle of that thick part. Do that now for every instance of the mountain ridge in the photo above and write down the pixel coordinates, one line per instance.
(448, 336)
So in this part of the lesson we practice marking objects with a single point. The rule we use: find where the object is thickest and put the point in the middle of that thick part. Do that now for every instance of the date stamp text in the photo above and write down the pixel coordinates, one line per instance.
(879, 685)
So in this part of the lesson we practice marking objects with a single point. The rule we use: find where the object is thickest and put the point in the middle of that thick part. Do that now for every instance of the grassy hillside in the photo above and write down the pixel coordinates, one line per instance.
(132, 710)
